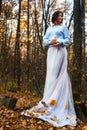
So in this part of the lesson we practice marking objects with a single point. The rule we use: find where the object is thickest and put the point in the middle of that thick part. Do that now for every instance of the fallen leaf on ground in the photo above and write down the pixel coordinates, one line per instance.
(45, 105)
(55, 119)
(68, 116)
(85, 128)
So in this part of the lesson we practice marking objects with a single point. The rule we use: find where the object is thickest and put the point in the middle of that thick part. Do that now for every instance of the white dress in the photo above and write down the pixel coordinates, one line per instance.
(56, 106)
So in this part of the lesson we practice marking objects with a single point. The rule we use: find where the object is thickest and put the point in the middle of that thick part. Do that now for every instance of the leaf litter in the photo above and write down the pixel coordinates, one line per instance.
(13, 120)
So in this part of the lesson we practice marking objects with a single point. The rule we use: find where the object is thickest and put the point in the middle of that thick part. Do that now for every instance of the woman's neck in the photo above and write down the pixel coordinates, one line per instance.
(56, 23)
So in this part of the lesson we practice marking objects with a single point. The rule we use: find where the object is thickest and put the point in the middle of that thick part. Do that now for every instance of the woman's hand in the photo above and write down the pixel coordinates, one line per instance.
(57, 44)
(53, 41)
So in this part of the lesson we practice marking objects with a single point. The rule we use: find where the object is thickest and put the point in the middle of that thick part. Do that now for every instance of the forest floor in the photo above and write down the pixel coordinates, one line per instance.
(13, 120)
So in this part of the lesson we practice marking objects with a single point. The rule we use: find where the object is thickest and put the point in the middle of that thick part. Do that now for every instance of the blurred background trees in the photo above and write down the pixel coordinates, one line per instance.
(23, 24)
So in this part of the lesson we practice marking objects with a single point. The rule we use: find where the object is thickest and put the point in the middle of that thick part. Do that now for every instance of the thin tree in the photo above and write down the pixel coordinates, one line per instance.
(28, 41)
(77, 42)
(17, 69)
(0, 5)
(77, 47)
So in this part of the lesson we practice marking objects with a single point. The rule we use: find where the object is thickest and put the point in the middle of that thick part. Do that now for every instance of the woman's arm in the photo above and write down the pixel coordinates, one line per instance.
(46, 39)
(65, 41)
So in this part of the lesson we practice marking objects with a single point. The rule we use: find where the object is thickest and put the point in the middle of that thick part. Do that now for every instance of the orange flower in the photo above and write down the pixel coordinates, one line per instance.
(53, 102)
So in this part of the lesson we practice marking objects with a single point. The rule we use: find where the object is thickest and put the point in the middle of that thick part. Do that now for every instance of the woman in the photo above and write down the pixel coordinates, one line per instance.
(56, 107)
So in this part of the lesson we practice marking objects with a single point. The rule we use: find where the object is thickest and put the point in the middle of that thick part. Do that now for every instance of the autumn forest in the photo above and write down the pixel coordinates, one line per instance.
(23, 24)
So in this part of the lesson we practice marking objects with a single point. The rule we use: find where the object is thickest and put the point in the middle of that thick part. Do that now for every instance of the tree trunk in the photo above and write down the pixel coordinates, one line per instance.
(4, 56)
(28, 41)
(17, 49)
(0, 5)
(77, 47)
(79, 18)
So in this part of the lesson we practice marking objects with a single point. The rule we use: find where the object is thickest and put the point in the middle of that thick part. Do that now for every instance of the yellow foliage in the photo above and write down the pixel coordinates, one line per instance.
(24, 123)
(28, 39)
(36, 115)
(32, 114)
(85, 127)
(55, 119)
(68, 116)
(24, 4)
(66, 106)
(29, 113)
(23, 25)
(44, 112)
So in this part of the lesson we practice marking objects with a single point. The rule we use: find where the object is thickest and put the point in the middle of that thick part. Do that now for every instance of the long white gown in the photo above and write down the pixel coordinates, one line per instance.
(57, 106)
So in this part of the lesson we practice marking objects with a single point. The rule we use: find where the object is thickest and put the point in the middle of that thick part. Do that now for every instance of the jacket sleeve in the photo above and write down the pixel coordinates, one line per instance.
(46, 40)
(65, 41)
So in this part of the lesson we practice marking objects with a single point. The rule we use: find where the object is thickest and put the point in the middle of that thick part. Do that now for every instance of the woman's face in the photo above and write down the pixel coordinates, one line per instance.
(60, 18)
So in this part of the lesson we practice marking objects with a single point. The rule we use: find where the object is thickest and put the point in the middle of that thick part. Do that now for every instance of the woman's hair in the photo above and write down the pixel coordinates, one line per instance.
(55, 15)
